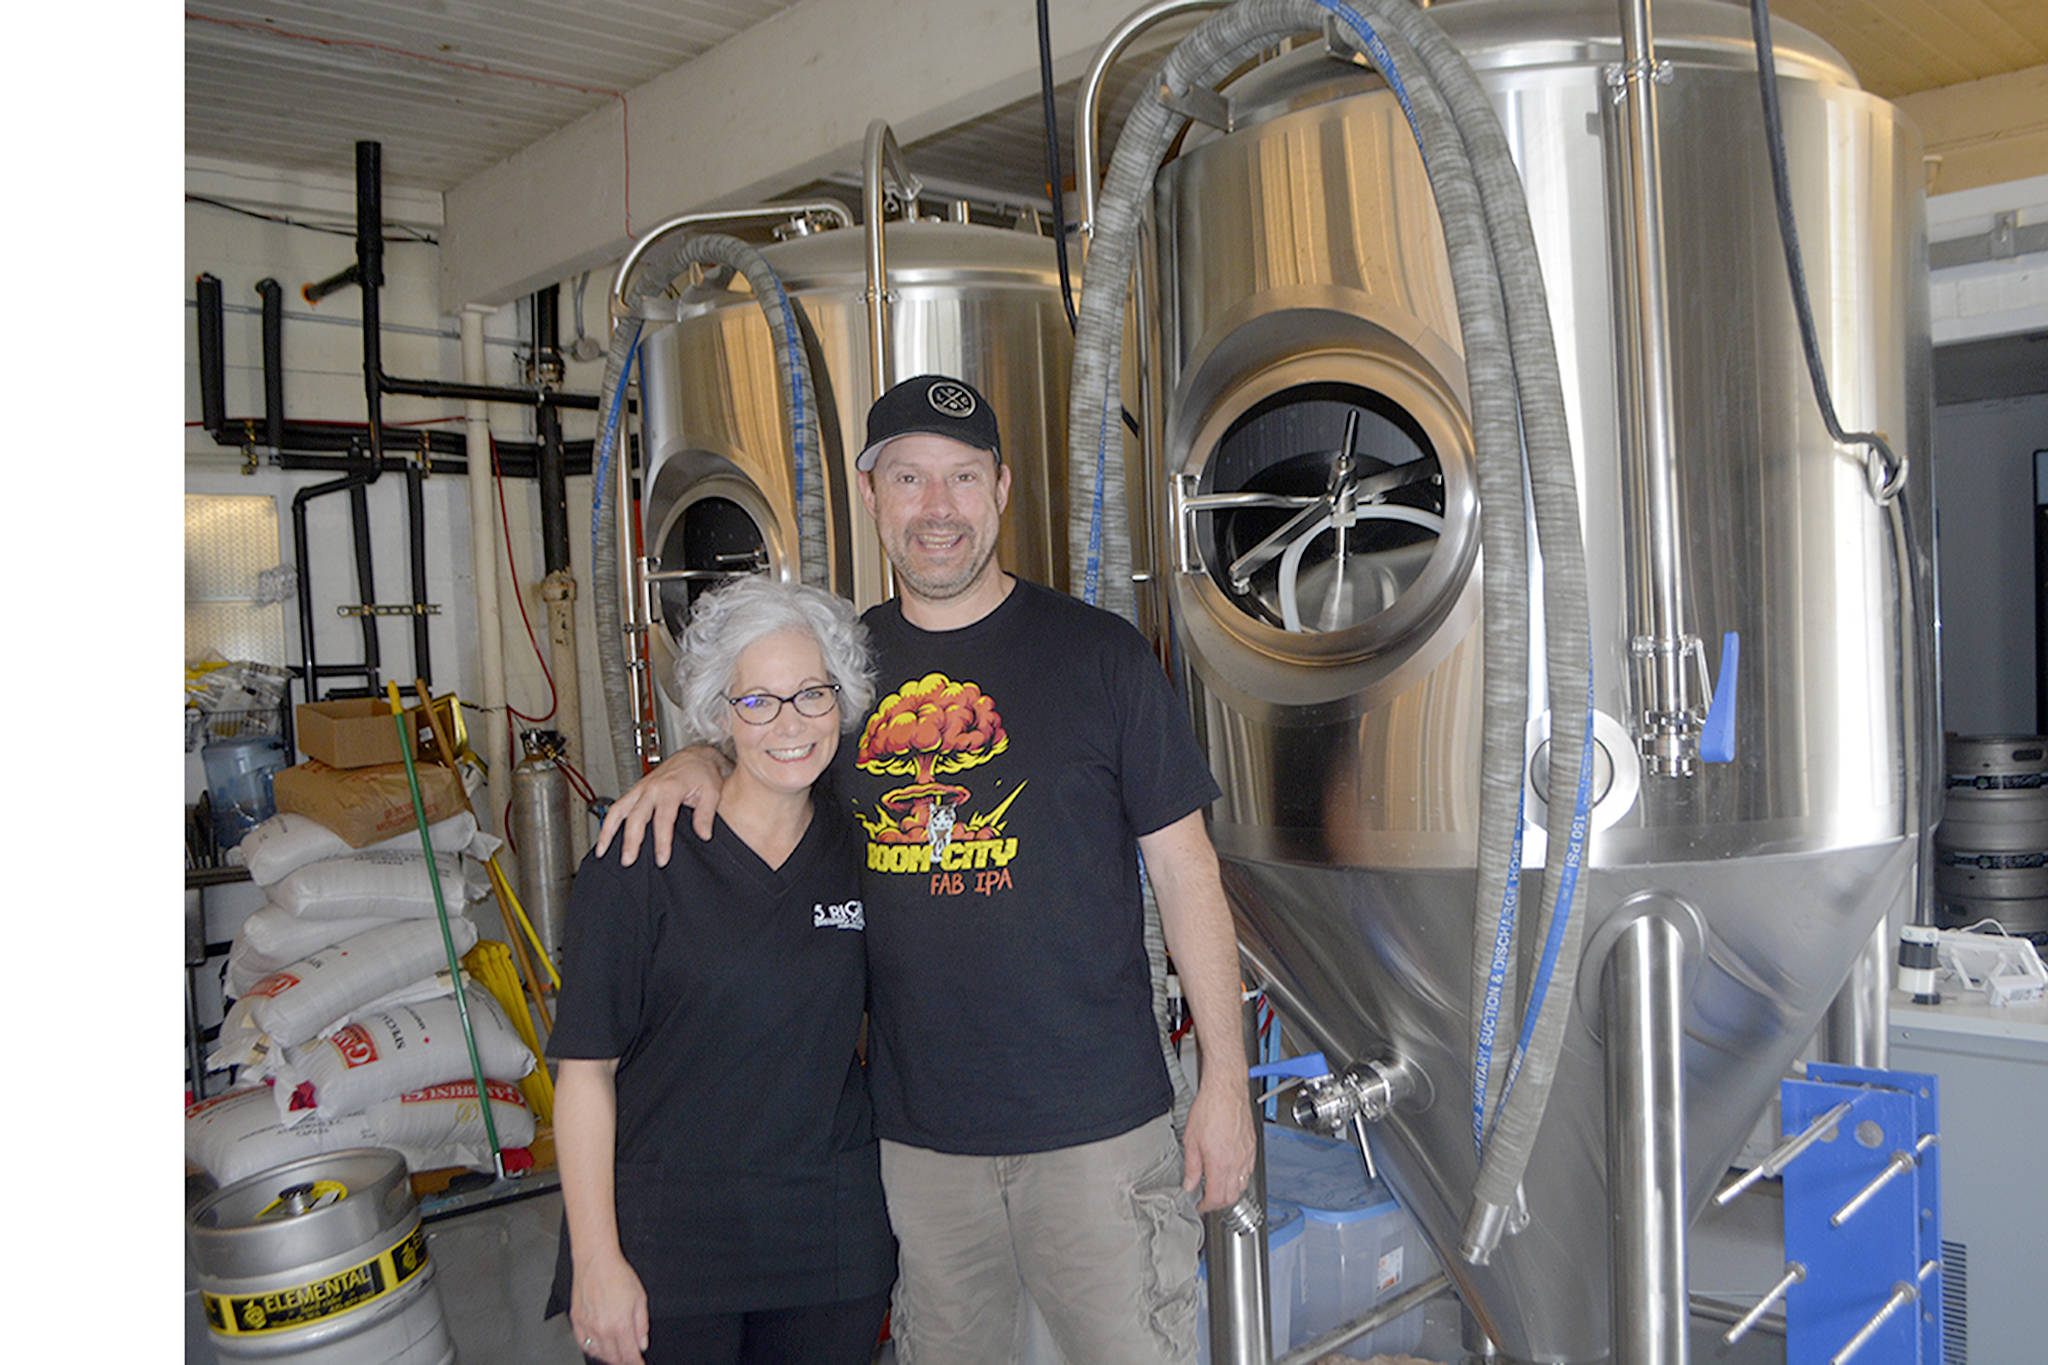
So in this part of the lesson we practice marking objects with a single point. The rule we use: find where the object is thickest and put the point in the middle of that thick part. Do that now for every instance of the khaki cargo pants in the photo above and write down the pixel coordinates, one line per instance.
(1101, 1236)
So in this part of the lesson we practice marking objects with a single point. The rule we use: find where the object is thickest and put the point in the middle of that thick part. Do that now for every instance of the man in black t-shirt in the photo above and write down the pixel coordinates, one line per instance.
(1025, 750)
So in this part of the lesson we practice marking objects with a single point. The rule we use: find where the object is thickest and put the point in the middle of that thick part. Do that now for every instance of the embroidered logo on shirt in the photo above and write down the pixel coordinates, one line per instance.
(847, 916)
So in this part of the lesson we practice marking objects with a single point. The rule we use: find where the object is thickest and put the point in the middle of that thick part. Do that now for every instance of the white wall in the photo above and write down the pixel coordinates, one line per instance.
(323, 381)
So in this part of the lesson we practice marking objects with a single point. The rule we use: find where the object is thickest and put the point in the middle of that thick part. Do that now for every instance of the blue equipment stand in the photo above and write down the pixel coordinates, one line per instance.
(1863, 1218)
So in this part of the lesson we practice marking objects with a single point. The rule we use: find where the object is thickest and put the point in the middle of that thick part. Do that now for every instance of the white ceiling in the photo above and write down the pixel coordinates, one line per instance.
(449, 87)
(452, 87)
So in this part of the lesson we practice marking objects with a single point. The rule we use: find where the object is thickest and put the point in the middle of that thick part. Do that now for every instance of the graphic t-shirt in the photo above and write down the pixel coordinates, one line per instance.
(747, 1171)
(1002, 778)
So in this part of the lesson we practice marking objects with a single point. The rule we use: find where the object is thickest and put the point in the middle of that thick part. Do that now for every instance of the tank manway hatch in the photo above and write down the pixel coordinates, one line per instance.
(1326, 518)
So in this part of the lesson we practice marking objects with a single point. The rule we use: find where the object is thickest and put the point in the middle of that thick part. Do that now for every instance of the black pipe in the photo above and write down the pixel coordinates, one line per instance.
(370, 275)
(416, 548)
(366, 573)
(272, 294)
(488, 393)
(522, 463)
(554, 485)
(333, 284)
(212, 357)
(547, 335)
(353, 480)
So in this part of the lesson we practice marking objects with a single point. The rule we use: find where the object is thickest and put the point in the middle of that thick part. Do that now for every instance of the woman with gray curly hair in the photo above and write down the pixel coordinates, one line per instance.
(702, 1224)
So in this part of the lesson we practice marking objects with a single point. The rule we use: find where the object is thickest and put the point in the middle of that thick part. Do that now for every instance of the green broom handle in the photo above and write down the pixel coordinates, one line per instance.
(419, 812)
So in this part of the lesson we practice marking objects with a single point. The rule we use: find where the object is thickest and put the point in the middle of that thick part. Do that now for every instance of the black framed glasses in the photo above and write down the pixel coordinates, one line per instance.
(759, 708)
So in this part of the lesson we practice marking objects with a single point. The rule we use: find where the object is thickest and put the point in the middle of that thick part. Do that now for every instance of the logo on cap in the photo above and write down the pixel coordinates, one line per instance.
(953, 400)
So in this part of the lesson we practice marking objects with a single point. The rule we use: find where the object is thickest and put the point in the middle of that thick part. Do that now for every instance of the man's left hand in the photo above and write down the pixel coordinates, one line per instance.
(1219, 1143)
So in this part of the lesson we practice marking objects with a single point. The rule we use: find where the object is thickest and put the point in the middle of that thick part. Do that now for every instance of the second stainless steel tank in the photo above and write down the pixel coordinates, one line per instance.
(1308, 334)
(978, 302)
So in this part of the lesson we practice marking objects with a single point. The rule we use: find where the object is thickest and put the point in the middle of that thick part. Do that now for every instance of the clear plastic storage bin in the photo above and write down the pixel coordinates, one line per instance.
(1358, 1246)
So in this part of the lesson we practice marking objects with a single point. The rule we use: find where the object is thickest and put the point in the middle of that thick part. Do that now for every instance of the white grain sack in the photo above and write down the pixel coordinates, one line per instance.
(273, 937)
(239, 1133)
(389, 885)
(283, 844)
(441, 1125)
(383, 1055)
(295, 1002)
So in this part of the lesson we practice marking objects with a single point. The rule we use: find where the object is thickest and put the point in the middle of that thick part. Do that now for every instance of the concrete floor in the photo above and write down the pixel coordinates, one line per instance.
(494, 1263)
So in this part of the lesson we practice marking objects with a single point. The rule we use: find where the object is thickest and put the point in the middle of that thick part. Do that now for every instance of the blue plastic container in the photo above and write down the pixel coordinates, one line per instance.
(238, 776)
(1358, 1246)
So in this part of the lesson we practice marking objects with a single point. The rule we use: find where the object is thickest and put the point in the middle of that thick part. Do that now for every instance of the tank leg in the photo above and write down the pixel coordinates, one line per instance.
(1234, 1240)
(1642, 982)
(1858, 1022)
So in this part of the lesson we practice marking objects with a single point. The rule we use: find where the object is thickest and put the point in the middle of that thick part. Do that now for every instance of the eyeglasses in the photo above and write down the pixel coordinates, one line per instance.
(759, 708)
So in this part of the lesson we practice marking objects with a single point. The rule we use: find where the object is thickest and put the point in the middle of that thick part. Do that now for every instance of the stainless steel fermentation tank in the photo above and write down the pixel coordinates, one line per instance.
(982, 303)
(1306, 316)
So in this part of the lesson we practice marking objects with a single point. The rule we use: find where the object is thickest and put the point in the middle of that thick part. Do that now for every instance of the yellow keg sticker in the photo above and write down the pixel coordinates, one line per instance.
(285, 1310)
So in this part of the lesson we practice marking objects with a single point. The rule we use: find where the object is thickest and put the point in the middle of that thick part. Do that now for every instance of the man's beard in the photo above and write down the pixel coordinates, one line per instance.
(940, 589)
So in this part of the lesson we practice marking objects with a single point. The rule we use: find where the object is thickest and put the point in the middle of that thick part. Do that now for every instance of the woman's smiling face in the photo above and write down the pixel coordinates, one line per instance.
(790, 752)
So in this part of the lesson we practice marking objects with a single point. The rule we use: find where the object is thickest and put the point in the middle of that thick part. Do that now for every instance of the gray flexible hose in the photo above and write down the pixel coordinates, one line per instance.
(1568, 631)
(1514, 392)
(799, 394)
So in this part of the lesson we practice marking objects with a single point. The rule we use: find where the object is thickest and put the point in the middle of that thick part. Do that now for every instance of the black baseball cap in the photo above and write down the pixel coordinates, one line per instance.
(936, 404)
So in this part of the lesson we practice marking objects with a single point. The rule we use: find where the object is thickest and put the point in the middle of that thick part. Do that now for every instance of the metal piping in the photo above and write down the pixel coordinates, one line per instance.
(272, 294)
(211, 354)
(716, 218)
(1086, 112)
(1642, 984)
(558, 584)
(1669, 735)
(1234, 1240)
(416, 562)
(353, 483)
(882, 154)
(370, 274)
(1858, 1024)
(1311, 1351)
(547, 376)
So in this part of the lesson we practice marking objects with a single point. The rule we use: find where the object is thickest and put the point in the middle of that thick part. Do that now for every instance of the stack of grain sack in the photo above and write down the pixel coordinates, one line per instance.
(344, 1029)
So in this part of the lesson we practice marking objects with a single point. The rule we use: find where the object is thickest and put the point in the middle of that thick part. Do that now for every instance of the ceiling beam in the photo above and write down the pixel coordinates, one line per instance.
(781, 104)
(1985, 132)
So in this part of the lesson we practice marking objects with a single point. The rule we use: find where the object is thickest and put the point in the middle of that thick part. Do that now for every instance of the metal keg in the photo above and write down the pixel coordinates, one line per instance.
(321, 1261)
(1991, 848)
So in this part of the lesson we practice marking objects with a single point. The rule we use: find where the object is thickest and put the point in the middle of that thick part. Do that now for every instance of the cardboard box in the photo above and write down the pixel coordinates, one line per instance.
(365, 805)
(349, 734)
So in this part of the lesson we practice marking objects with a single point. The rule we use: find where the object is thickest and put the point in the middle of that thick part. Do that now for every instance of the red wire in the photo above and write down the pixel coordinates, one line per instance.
(505, 521)
(577, 780)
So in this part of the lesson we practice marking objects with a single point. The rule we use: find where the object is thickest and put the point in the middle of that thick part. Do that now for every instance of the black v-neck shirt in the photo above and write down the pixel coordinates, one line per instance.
(732, 993)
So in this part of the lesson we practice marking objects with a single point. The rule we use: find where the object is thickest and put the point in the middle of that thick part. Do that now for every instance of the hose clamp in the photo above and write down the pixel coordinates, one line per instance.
(1619, 74)
(1883, 473)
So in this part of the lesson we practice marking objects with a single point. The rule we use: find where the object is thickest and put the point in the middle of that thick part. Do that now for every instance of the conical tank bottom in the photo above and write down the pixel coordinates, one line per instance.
(1373, 963)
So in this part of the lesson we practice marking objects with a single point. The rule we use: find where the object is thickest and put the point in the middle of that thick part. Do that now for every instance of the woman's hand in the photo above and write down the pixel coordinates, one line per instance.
(608, 1309)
